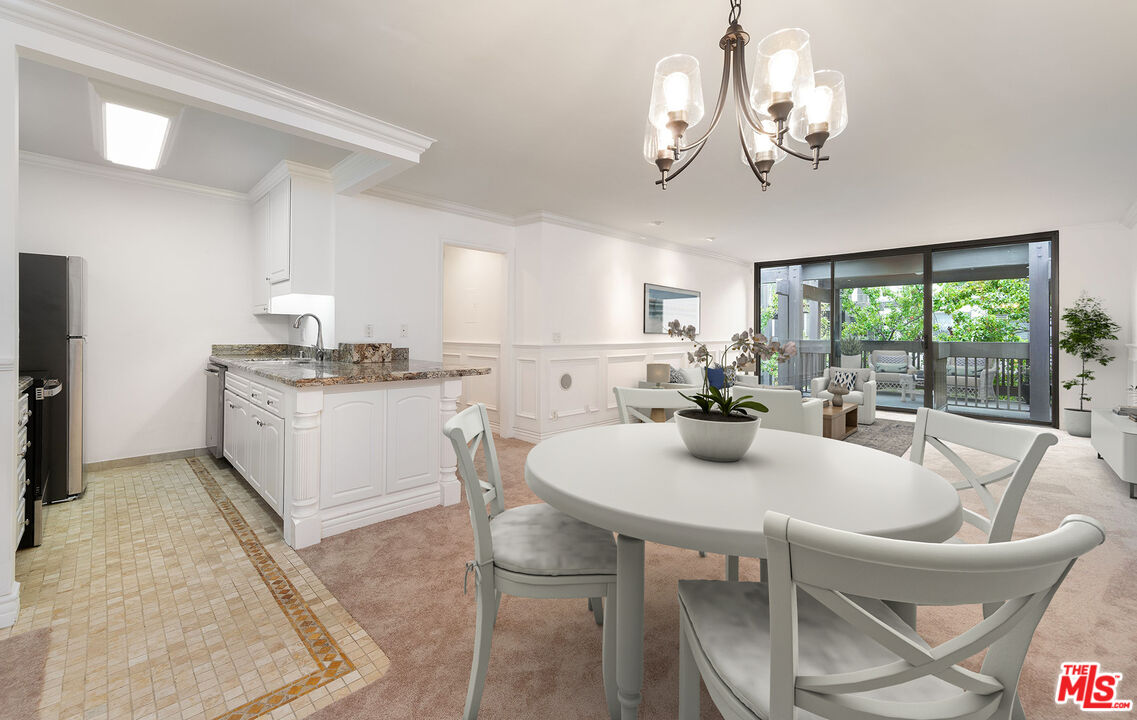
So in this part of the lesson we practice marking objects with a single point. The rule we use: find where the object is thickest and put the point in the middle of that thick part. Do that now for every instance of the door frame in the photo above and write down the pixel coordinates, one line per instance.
(926, 250)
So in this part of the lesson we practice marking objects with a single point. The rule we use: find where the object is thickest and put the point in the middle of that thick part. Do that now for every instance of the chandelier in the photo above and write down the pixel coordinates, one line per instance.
(786, 98)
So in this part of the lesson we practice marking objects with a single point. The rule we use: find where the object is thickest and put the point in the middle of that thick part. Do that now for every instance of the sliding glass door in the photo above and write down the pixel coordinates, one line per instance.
(962, 327)
(881, 324)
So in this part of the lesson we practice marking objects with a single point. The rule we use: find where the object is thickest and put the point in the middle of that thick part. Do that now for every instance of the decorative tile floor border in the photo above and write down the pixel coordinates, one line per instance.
(323, 649)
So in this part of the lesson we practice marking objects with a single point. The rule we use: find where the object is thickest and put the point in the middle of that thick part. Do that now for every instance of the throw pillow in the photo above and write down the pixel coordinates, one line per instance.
(677, 375)
(693, 375)
(891, 367)
(847, 378)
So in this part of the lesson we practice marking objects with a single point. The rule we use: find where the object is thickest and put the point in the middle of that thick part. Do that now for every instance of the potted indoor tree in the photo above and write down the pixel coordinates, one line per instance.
(851, 350)
(719, 428)
(1088, 326)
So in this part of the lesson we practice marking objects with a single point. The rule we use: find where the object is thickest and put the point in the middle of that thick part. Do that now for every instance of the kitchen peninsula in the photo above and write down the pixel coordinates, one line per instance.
(337, 444)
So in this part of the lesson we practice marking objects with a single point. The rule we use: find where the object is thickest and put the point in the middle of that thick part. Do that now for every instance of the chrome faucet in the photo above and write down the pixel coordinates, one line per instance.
(319, 334)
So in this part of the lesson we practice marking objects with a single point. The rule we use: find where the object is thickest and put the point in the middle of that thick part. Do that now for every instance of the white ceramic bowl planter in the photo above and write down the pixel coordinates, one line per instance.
(716, 437)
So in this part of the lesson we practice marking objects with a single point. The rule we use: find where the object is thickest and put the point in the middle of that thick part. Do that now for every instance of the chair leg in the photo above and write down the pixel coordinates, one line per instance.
(496, 606)
(732, 568)
(1017, 711)
(702, 554)
(763, 570)
(688, 675)
(597, 608)
(608, 654)
(483, 633)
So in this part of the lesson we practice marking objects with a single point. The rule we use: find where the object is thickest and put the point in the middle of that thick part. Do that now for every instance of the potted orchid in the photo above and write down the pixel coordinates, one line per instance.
(719, 428)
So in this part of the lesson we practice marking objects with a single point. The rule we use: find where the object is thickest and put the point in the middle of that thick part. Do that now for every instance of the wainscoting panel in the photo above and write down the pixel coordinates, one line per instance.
(572, 387)
(478, 388)
(624, 370)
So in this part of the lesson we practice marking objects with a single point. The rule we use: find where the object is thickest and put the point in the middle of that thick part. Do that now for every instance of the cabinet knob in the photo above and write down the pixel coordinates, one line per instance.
(270, 402)
(254, 394)
(260, 424)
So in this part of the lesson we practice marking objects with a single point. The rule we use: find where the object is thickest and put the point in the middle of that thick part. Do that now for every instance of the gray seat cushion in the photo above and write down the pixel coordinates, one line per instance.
(856, 396)
(540, 540)
(731, 621)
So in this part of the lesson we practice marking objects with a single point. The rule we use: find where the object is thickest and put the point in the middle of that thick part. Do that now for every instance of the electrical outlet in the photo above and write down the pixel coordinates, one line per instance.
(404, 330)
(556, 338)
(368, 330)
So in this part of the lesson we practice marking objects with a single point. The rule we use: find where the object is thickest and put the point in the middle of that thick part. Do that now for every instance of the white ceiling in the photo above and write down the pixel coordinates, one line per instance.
(207, 148)
(968, 118)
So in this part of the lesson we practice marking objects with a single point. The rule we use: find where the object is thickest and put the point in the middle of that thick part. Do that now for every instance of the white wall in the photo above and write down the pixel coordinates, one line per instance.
(474, 284)
(1099, 260)
(168, 275)
(590, 288)
(389, 269)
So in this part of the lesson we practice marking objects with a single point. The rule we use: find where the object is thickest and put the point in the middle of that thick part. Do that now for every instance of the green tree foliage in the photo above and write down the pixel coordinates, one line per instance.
(981, 311)
(1088, 326)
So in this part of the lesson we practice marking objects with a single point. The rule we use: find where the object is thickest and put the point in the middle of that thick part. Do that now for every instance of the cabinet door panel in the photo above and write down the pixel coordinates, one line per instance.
(272, 461)
(250, 456)
(280, 231)
(233, 430)
(351, 447)
(413, 437)
(261, 273)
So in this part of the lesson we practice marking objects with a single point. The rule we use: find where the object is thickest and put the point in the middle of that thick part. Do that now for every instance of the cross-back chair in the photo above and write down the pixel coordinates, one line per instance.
(818, 639)
(531, 551)
(633, 402)
(1024, 447)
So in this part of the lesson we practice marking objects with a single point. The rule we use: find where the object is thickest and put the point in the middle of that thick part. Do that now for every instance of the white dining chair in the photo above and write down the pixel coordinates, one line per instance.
(635, 404)
(530, 551)
(1024, 447)
(818, 638)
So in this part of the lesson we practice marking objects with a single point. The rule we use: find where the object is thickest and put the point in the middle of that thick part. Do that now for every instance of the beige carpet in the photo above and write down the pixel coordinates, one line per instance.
(402, 581)
(22, 661)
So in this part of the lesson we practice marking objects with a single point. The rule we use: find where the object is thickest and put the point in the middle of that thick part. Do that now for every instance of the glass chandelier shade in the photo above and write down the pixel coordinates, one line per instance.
(656, 142)
(783, 70)
(824, 109)
(676, 91)
(761, 149)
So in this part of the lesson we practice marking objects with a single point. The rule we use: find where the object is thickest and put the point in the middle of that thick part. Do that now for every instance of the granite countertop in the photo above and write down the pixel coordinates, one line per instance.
(24, 382)
(317, 374)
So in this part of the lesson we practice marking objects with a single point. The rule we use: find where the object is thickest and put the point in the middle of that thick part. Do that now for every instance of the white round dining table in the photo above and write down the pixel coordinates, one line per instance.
(640, 482)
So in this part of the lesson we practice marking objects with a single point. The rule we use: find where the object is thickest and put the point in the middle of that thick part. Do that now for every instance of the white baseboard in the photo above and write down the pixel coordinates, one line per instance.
(366, 512)
(10, 606)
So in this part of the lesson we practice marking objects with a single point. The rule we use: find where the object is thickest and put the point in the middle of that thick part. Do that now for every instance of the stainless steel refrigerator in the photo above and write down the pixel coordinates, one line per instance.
(53, 329)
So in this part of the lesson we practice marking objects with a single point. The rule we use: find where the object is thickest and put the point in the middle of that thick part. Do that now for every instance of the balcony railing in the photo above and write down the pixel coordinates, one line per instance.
(992, 377)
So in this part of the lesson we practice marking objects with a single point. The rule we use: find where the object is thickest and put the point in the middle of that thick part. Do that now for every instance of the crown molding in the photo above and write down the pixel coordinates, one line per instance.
(283, 169)
(428, 201)
(121, 174)
(655, 242)
(359, 171)
(433, 203)
(1129, 219)
(99, 35)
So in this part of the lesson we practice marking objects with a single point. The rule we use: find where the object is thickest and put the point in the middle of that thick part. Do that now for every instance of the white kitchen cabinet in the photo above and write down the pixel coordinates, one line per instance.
(412, 437)
(270, 459)
(353, 438)
(293, 230)
(254, 446)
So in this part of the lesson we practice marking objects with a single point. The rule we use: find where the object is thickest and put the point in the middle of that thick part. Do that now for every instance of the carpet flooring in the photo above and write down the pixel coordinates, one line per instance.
(402, 581)
(22, 661)
(890, 436)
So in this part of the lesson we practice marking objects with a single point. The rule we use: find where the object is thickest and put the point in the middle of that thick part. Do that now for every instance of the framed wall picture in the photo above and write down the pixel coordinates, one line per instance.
(663, 304)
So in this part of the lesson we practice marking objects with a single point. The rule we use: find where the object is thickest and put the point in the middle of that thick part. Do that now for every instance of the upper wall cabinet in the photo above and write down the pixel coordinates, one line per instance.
(293, 230)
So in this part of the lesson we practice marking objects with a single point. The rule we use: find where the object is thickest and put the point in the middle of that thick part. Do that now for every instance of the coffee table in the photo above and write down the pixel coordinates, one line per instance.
(839, 423)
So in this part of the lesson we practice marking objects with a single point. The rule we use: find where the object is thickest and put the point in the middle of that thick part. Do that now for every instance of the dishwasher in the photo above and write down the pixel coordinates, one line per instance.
(214, 409)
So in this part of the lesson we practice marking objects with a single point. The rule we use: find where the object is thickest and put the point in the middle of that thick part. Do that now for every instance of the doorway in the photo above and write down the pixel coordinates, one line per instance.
(475, 286)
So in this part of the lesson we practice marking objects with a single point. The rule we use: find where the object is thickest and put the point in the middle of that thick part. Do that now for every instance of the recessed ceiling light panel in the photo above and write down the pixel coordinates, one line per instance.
(131, 128)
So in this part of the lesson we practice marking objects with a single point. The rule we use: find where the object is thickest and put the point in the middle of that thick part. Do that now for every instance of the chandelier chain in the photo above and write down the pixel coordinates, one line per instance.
(735, 11)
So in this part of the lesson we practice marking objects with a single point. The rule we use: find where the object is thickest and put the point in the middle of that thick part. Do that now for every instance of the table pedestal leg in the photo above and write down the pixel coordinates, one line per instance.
(629, 624)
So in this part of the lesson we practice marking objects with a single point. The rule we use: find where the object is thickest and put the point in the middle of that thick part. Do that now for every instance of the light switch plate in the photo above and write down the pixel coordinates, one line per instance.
(404, 330)
(556, 338)
(368, 330)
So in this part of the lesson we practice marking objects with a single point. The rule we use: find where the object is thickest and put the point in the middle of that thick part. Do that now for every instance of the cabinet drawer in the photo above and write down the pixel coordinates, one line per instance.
(22, 444)
(22, 411)
(268, 398)
(237, 384)
(21, 480)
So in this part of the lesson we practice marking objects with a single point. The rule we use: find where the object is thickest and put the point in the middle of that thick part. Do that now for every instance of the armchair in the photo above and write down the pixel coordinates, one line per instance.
(902, 380)
(863, 394)
(787, 409)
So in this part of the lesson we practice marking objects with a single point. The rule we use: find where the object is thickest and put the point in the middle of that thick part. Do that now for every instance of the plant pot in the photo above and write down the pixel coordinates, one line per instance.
(715, 437)
(850, 361)
(1076, 422)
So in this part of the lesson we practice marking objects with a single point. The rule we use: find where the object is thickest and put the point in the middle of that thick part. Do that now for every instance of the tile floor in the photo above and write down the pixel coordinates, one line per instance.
(170, 593)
